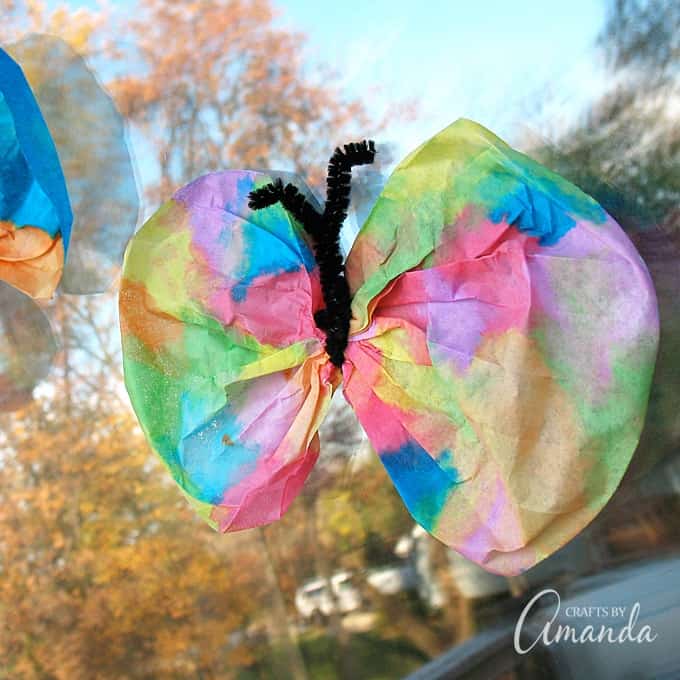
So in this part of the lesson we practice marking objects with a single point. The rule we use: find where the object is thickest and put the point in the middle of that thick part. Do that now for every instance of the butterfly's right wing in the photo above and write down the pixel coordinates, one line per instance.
(502, 346)
(224, 365)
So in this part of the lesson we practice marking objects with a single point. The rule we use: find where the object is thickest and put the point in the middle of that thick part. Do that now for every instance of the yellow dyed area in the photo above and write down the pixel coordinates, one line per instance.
(161, 258)
(526, 423)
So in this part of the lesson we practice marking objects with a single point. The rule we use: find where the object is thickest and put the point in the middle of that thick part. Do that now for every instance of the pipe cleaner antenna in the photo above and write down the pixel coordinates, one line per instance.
(324, 228)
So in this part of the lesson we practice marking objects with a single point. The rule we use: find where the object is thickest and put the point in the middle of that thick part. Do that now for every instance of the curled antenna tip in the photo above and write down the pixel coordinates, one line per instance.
(334, 318)
(266, 195)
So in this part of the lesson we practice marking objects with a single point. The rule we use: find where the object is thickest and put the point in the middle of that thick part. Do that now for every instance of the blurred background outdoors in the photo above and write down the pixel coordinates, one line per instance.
(104, 570)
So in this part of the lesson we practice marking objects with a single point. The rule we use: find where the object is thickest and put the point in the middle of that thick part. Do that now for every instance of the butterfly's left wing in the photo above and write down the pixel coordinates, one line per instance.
(223, 363)
(502, 345)
(35, 214)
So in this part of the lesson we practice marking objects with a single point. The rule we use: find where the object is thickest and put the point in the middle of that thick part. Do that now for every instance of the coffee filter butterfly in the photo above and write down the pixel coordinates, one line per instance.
(68, 198)
(493, 328)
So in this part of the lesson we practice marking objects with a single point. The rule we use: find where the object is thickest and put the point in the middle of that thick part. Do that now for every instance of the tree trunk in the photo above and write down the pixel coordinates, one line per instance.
(282, 631)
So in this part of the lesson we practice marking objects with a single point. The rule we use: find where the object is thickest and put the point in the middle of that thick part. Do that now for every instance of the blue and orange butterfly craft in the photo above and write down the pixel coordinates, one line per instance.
(63, 153)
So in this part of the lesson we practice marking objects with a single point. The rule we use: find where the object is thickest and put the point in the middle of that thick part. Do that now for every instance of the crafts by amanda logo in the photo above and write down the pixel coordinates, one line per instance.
(616, 624)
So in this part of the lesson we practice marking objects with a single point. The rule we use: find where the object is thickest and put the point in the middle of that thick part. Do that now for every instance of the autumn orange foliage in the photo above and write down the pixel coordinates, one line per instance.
(231, 89)
(104, 569)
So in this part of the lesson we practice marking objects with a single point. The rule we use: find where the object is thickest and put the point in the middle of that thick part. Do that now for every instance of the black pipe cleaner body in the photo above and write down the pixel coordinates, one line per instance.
(324, 229)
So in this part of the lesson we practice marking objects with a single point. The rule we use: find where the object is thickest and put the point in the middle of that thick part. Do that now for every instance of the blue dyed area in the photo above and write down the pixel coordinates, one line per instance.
(211, 464)
(445, 461)
(264, 254)
(277, 221)
(13, 165)
(422, 483)
(535, 214)
(36, 209)
(32, 186)
(272, 244)
(239, 292)
(536, 201)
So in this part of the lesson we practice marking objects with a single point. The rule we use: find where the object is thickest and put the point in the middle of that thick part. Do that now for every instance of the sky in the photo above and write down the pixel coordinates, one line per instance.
(508, 65)
(524, 68)
(521, 68)
(504, 63)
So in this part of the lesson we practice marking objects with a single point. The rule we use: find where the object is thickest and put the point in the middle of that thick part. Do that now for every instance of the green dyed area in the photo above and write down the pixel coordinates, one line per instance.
(181, 385)
(160, 259)
(618, 422)
(611, 417)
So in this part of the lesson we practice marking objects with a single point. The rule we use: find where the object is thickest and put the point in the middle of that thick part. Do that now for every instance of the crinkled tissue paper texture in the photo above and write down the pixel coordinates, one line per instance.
(503, 338)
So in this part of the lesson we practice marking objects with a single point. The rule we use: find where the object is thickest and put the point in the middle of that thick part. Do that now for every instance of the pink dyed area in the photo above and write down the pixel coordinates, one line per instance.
(264, 497)
(496, 528)
(452, 306)
(217, 208)
(275, 413)
(598, 266)
(220, 191)
(361, 372)
(278, 309)
(472, 235)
